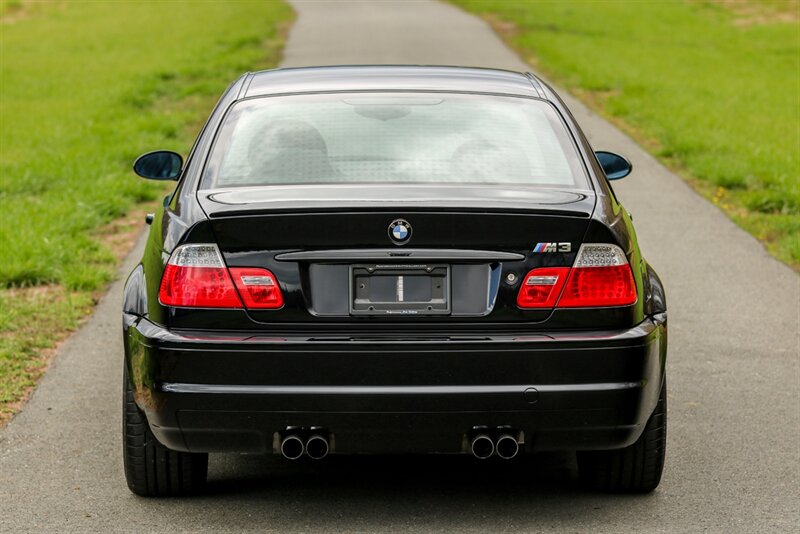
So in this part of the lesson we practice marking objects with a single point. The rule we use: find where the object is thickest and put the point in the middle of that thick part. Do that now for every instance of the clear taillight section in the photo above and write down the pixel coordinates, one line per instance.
(196, 277)
(599, 255)
(600, 277)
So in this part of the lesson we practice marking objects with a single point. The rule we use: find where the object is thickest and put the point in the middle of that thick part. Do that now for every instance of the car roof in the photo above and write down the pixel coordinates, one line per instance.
(390, 78)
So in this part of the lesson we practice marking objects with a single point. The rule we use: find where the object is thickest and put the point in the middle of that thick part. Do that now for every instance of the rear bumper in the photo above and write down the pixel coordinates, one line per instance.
(203, 392)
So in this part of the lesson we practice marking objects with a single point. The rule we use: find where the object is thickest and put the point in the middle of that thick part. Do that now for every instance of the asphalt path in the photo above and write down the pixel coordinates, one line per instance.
(734, 417)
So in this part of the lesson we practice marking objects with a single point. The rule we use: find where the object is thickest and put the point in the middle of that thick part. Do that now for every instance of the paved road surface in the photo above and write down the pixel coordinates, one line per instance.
(733, 458)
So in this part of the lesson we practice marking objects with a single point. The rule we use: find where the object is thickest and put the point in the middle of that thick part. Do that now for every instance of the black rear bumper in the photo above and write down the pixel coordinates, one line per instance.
(205, 392)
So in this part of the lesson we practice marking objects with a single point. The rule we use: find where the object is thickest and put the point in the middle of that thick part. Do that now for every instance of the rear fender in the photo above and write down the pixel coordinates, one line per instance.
(134, 296)
(656, 298)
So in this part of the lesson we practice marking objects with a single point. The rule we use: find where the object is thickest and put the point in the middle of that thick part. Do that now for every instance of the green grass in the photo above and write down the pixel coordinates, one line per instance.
(711, 88)
(85, 87)
(10, 6)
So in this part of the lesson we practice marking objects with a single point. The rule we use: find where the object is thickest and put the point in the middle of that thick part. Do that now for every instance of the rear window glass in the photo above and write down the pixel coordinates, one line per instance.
(392, 138)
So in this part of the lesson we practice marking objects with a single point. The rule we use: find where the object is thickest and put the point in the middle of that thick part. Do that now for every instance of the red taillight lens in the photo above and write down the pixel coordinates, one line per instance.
(196, 277)
(258, 287)
(541, 287)
(600, 277)
(599, 286)
(198, 287)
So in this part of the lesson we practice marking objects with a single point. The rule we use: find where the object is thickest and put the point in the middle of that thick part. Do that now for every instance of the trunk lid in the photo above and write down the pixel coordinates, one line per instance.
(324, 242)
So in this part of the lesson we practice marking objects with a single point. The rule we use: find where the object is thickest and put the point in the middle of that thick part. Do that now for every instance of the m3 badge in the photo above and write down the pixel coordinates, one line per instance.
(553, 247)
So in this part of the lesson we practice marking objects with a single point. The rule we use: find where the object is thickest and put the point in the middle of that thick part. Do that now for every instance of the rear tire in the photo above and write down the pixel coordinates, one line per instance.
(636, 468)
(151, 469)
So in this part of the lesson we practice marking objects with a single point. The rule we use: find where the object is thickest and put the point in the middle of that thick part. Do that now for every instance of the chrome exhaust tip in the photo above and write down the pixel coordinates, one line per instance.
(482, 446)
(507, 446)
(292, 447)
(317, 447)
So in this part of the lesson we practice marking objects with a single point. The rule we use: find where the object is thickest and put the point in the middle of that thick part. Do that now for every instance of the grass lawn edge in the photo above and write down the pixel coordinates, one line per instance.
(71, 309)
(749, 221)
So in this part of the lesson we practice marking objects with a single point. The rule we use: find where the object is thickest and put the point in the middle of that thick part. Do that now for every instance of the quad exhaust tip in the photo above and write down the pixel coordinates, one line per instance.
(483, 445)
(295, 442)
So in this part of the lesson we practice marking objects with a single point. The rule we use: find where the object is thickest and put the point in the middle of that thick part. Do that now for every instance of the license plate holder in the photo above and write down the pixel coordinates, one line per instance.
(398, 289)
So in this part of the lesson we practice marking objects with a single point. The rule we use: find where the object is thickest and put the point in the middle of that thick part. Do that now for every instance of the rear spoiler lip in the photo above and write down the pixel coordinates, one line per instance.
(370, 198)
(573, 214)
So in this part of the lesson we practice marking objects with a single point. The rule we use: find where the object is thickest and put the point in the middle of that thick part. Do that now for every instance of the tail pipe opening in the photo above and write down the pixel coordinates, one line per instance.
(292, 447)
(317, 446)
(482, 446)
(506, 446)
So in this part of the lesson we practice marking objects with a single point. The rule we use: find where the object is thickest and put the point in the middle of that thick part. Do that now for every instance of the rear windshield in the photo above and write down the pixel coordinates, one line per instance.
(393, 138)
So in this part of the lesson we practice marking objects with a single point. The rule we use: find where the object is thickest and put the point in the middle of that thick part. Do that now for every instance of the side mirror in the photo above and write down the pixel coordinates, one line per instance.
(159, 165)
(614, 165)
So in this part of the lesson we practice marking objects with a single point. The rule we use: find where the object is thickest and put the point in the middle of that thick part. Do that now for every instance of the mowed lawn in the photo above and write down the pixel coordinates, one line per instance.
(85, 87)
(711, 87)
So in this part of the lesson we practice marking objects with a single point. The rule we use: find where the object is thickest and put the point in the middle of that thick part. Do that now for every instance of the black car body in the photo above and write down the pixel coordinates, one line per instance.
(337, 359)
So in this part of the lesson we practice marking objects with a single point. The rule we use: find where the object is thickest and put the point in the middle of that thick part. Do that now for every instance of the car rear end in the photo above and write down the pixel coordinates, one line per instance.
(328, 313)
(255, 338)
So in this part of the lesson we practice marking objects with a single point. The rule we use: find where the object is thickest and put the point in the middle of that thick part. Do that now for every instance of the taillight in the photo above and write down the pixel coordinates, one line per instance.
(258, 287)
(600, 277)
(541, 287)
(196, 277)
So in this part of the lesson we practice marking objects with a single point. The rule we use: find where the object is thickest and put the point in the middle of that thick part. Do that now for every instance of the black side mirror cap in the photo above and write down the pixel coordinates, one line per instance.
(159, 165)
(614, 165)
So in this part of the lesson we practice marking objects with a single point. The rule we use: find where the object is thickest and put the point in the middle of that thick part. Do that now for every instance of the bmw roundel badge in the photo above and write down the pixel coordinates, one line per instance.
(400, 231)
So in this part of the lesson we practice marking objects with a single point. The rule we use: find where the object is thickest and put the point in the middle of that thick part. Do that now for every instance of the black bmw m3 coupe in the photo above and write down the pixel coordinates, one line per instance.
(391, 259)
